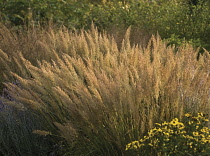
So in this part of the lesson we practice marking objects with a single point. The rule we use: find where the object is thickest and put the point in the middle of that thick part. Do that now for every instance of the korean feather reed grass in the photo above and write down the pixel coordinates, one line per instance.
(38, 43)
(98, 97)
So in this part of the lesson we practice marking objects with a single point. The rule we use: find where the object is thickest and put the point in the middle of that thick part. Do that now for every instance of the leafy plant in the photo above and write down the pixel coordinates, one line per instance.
(165, 17)
(189, 137)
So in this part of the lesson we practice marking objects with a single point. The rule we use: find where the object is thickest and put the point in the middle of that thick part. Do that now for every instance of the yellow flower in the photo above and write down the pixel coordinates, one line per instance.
(165, 133)
(146, 137)
(166, 139)
(164, 123)
(135, 147)
(190, 122)
(181, 126)
(158, 124)
(205, 130)
(188, 115)
(200, 114)
(188, 137)
(141, 140)
(183, 132)
(128, 146)
(190, 144)
(195, 133)
(174, 122)
(171, 131)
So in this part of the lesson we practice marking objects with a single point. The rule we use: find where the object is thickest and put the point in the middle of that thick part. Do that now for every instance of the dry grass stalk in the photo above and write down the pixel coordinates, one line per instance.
(114, 95)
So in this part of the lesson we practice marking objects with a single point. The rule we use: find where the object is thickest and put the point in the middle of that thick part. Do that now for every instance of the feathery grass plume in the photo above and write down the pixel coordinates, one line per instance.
(107, 96)
(40, 132)
(38, 43)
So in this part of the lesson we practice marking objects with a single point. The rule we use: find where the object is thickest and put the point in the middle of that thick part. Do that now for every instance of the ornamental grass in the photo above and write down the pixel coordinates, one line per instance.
(94, 97)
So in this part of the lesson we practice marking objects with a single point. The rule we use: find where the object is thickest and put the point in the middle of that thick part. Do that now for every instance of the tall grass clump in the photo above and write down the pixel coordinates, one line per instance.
(94, 97)
(16, 137)
(38, 42)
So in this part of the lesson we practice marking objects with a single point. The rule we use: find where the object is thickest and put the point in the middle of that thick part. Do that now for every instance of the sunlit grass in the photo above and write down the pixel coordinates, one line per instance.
(93, 95)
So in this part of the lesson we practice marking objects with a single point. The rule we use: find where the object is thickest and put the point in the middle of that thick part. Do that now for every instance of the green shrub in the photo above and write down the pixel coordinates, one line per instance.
(165, 17)
(189, 137)
(35, 12)
(178, 41)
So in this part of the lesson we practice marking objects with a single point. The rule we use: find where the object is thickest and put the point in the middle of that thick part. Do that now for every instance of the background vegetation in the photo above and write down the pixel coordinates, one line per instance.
(70, 88)
(175, 20)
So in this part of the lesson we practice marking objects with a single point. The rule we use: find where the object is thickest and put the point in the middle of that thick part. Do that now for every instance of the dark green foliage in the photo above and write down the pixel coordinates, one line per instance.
(186, 19)
(16, 136)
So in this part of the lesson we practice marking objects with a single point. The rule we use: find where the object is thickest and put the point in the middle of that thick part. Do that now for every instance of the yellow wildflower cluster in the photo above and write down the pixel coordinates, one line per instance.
(198, 119)
(178, 136)
(134, 145)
